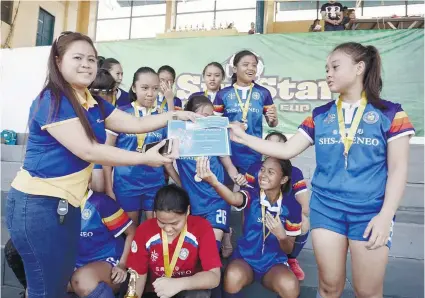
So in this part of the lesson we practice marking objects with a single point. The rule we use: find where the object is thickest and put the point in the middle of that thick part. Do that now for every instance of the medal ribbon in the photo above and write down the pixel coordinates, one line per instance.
(244, 108)
(263, 218)
(349, 138)
(169, 267)
(141, 136)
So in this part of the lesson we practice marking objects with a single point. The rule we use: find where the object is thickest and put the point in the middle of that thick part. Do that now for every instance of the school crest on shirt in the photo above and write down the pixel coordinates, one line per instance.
(371, 117)
(231, 96)
(184, 253)
(86, 214)
(154, 256)
(255, 95)
(133, 247)
(330, 118)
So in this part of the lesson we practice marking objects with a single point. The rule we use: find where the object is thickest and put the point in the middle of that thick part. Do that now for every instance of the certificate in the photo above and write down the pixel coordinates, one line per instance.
(207, 137)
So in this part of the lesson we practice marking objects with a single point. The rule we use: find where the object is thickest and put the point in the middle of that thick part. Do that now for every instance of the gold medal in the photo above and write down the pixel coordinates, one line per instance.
(141, 136)
(244, 107)
(348, 139)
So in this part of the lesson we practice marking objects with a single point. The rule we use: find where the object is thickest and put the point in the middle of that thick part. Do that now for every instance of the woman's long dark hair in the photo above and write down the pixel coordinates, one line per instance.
(131, 94)
(238, 58)
(57, 85)
(372, 80)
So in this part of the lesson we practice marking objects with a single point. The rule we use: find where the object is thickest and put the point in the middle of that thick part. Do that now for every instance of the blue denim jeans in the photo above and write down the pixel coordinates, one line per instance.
(48, 248)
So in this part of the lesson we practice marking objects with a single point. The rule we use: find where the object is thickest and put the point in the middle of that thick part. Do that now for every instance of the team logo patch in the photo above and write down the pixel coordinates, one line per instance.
(371, 117)
(133, 247)
(154, 256)
(255, 95)
(184, 253)
(330, 118)
(86, 214)
(231, 95)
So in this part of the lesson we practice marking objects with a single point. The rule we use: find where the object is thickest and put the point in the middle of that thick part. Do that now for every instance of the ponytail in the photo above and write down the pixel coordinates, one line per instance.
(372, 80)
(234, 78)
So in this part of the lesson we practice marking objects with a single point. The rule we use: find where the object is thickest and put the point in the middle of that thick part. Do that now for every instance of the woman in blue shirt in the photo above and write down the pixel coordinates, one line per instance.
(66, 137)
(362, 150)
(246, 102)
(272, 221)
(135, 187)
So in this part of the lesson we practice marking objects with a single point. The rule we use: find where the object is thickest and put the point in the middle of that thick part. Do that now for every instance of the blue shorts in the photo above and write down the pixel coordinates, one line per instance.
(114, 261)
(139, 202)
(218, 218)
(351, 225)
(97, 167)
(258, 276)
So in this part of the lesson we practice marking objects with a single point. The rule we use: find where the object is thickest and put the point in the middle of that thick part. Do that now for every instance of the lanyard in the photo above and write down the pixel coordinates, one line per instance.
(142, 136)
(162, 106)
(244, 108)
(263, 217)
(114, 99)
(169, 267)
(348, 138)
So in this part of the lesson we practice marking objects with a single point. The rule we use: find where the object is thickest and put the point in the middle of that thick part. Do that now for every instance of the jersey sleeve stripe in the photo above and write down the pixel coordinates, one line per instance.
(247, 199)
(400, 123)
(406, 133)
(114, 216)
(304, 133)
(249, 178)
(123, 229)
(301, 191)
(400, 115)
(299, 185)
(292, 227)
(265, 108)
(308, 122)
(111, 132)
(44, 127)
(218, 108)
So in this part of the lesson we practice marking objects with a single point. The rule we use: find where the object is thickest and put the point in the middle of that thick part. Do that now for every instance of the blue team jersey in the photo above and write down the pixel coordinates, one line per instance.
(250, 245)
(102, 222)
(227, 104)
(203, 198)
(178, 105)
(361, 187)
(298, 184)
(122, 98)
(136, 180)
(50, 168)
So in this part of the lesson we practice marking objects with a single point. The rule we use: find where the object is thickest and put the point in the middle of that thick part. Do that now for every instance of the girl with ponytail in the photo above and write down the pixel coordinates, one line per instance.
(252, 101)
(362, 152)
(115, 69)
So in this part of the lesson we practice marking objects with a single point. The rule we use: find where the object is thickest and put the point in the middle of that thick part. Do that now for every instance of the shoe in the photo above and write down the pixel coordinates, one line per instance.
(227, 248)
(295, 267)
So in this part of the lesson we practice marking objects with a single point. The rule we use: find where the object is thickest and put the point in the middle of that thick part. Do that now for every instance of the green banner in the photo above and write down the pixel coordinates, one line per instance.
(292, 66)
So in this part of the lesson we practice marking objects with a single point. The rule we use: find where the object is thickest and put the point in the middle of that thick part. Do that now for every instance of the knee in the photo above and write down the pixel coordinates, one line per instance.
(365, 292)
(288, 287)
(82, 285)
(233, 280)
(330, 288)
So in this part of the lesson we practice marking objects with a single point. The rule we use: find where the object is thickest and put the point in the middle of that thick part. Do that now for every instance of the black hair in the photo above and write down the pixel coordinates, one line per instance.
(171, 198)
(195, 102)
(372, 80)
(168, 69)
(107, 63)
(104, 82)
(281, 136)
(216, 64)
(286, 167)
(131, 95)
(238, 58)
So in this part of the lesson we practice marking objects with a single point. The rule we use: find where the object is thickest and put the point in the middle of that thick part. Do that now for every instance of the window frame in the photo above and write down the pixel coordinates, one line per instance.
(43, 12)
(6, 15)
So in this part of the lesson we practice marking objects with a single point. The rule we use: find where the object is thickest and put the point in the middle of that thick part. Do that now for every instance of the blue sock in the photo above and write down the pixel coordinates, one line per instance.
(300, 241)
(102, 291)
(218, 245)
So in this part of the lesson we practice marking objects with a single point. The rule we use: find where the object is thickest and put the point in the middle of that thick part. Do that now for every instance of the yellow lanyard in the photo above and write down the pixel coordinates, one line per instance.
(244, 108)
(140, 137)
(348, 138)
(84, 200)
(263, 218)
(162, 106)
(114, 99)
(206, 93)
(169, 267)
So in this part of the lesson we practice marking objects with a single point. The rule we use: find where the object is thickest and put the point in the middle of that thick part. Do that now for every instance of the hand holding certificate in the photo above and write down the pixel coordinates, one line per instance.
(208, 136)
